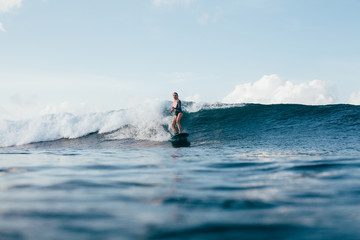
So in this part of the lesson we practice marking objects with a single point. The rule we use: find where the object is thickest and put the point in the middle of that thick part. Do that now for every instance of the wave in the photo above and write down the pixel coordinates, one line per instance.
(206, 122)
(142, 122)
(284, 126)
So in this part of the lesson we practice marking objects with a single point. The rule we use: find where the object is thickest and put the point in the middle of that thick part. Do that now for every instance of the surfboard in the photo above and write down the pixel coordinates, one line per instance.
(179, 137)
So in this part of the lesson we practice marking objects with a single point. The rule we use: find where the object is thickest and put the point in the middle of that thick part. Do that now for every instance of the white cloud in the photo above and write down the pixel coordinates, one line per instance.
(271, 89)
(355, 98)
(6, 6)
(171, 2)
(218, 14)
(213, 17)
(203, 19)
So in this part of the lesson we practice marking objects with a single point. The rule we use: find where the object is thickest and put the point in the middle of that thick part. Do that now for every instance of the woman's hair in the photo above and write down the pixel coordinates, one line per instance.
(176, 93)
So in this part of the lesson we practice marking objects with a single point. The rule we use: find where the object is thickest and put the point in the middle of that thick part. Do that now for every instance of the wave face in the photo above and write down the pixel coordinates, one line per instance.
(281, 125)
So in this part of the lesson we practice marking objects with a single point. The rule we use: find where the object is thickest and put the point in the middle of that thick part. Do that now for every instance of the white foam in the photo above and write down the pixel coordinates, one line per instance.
(197, 106)
(144, 122)
(148, 121)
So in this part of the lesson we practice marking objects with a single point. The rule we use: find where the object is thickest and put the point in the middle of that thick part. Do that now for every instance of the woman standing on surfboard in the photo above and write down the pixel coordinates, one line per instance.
(178, 113)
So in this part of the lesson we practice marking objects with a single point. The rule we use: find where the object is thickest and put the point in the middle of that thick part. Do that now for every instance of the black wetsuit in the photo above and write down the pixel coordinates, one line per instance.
(178, 108)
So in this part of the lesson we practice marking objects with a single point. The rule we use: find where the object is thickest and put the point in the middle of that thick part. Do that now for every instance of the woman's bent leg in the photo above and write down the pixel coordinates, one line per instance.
(178, 119)
(173, 124)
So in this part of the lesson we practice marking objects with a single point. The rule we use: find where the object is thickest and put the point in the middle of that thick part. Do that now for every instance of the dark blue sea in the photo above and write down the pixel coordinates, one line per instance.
(247, 171)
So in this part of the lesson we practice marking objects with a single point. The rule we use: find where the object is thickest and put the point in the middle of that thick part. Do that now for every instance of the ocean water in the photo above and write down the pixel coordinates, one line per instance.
(248, 171)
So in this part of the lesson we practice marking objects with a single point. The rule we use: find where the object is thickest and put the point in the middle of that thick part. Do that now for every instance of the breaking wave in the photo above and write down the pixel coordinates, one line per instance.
(206, 122)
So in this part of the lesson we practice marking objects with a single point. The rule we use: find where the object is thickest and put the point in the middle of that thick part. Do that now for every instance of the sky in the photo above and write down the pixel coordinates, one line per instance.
(87, 55)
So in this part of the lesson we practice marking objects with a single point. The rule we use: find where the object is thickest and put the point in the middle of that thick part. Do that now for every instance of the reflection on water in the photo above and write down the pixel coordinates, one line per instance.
(178, 193)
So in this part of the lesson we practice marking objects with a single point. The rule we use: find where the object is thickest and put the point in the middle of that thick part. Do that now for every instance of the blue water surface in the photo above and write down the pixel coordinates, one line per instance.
(285, 177)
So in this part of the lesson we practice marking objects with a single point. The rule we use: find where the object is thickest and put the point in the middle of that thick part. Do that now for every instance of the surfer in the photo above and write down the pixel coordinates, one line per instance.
(178, 113)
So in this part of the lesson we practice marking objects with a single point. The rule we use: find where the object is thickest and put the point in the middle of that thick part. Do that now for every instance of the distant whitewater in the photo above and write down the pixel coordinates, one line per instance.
(283, 124)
